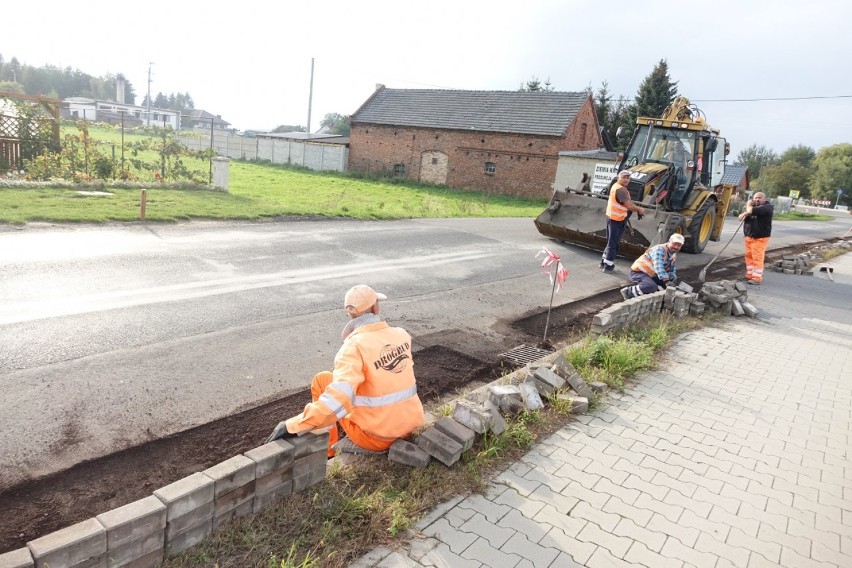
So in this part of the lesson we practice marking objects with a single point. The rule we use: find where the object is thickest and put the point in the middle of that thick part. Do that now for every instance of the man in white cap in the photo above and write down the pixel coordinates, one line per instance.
(654, 269)
(371, 391)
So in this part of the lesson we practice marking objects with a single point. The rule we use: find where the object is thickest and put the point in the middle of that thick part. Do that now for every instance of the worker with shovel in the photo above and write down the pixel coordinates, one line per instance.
(757, 228)
(654, 269)
(371, 391)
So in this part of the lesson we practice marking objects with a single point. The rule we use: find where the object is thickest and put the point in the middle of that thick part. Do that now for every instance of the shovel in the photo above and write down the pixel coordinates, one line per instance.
(703, 274)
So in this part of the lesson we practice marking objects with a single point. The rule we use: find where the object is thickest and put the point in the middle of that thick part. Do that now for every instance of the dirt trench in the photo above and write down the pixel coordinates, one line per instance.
(36, 507)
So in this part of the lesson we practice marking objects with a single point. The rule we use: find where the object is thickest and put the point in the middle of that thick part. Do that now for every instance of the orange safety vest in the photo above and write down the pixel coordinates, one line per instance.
(373, 385)
(645, 264)
(615, 210)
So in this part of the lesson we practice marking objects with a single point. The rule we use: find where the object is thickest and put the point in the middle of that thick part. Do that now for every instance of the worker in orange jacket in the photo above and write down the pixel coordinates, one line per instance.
(371, 391)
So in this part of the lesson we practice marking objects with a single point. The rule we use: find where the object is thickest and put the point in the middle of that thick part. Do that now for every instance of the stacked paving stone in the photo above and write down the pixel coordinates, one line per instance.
(482, 412)
(728, 296)
(731, 297)
(796, 263)
(181, 514)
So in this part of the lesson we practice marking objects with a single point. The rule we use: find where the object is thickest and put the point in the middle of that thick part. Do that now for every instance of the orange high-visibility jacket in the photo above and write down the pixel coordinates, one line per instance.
(373, 386)
(615, 210)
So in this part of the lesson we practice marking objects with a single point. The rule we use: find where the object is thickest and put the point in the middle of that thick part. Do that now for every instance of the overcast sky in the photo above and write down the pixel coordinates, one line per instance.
(250, 62)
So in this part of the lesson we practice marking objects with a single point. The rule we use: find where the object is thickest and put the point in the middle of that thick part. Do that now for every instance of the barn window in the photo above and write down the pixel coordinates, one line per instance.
(399, 170)
(490, 167)
(583, 133)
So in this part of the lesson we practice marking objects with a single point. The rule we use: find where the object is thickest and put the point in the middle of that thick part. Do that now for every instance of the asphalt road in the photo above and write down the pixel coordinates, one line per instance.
(112, 335)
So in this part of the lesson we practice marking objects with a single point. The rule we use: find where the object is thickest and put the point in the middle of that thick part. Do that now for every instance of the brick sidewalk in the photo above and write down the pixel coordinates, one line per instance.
(734, 454)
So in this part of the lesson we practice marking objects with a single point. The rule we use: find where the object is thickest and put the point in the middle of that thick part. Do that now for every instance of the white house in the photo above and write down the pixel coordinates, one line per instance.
(81, 108)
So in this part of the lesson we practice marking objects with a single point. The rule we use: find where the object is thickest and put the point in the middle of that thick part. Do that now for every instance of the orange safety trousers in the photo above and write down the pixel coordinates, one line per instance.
(755, 249)
(318, 385)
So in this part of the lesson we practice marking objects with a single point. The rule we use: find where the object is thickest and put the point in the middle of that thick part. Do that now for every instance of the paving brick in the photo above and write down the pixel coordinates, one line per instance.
(548, 381)
(536, 554)
(70, 546)
(588, 512)
(641, 554)
(532, 399)
(561, 519)
(188, 521)
(686, 535)
(577, 551)
(185, 495)
(674, 549)
(769, 550)
(456, 540)
(409, 454)
(471, 415)
(440, 446)
(490, 531)
(271, 457)
(20, 558)
(137, 550)
(188, 538)
(133, 521)
(309, 443)
(481, 551)
(231, 475)
(271, 496)
(519, 503)
(650, 539)
(458, 432)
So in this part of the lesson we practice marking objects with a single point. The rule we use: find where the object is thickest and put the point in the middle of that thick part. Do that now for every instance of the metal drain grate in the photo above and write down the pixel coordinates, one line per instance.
(524, 354)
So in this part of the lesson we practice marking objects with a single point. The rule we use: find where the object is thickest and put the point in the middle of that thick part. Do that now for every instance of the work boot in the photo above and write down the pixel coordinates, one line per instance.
(625, 293)
(753, 282)
(607, 269)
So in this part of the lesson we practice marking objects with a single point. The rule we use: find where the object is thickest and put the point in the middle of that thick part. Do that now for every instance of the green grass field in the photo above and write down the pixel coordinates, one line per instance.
(256, 191)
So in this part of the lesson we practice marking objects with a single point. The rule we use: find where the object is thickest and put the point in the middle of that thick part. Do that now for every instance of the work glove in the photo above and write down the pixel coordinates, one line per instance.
(280, 433)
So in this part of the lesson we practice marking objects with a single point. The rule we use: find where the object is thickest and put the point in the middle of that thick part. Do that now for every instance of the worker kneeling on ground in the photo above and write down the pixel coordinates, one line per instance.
(371, 391)
(654, 269)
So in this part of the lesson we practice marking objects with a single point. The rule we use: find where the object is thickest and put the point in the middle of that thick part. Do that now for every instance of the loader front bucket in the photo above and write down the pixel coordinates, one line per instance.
(580, 219)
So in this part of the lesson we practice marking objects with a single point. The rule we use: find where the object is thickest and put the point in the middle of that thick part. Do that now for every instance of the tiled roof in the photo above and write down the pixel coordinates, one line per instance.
(518, 112)
(734, 174)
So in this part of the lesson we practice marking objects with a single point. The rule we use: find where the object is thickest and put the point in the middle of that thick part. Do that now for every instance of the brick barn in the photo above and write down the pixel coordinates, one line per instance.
(500, 142)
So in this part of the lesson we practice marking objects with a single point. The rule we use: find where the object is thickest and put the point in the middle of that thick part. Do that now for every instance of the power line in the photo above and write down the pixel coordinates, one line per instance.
(770, 99)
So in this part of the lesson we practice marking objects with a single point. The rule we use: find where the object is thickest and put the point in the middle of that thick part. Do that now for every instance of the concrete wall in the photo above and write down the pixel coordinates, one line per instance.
(313, 155)
(524, 165)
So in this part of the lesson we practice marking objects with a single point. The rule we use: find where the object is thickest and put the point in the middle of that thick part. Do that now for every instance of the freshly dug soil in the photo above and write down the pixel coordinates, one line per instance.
(37, 507)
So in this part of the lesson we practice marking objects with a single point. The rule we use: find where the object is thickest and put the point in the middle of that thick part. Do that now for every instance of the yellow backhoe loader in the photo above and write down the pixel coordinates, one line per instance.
(676, 164)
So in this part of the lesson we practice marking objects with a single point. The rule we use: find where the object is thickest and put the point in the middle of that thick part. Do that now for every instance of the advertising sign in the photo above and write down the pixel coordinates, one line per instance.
(603, 175)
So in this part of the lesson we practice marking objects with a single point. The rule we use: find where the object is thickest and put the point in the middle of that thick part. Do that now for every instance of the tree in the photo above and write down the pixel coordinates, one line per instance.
(656, 92)
(289, 128)
(801, 154)
(12, 87)
(534, 86)
(779, 179)
(832, 171)
(612, 113)
(755, 157)
(336, 123)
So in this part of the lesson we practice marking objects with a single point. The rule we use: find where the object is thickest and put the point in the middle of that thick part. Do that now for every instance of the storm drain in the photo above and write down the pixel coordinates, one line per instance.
(524, 354)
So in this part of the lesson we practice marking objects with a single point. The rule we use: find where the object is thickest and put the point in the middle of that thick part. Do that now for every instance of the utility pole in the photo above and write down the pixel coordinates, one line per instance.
(149, 93)
(310, 97)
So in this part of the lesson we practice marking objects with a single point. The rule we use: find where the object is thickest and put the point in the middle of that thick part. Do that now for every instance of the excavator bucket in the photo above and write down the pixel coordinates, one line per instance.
(579, 219)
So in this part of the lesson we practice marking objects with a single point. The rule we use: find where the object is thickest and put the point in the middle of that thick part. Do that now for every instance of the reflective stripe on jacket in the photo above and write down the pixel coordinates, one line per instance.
(615, 210)
(373, 386)
(657, 262)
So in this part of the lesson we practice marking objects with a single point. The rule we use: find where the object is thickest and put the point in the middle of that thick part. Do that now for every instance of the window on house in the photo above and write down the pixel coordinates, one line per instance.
(583, 133)
(434, 161)
(399, 170)
(490, 167)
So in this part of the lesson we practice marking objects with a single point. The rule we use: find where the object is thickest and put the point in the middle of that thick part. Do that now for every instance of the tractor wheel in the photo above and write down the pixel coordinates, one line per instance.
(700, 228)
